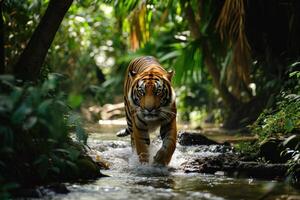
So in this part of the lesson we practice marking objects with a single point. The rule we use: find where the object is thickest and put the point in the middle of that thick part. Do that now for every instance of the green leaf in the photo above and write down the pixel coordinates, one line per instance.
(30, 122)
(74, 100)
(73, 154)
(55, 170)
(7, 77)
(6, 104)
(42, 165)
(295, 73)
(16, 94)
(288, 126)
(43, 108)
(21, 113)
(170, 55)
(7, 80)
(81, 134)
(72, 165)
(64, 151)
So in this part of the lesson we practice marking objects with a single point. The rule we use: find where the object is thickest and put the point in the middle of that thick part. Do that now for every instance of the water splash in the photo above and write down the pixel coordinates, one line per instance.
(123, 159)
(128, 179)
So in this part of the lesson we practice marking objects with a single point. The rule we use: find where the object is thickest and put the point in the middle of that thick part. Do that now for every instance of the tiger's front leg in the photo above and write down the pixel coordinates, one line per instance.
(168, 133)
(141, 143)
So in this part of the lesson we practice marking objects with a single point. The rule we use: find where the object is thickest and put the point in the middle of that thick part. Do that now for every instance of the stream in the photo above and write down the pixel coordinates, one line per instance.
(127, 179)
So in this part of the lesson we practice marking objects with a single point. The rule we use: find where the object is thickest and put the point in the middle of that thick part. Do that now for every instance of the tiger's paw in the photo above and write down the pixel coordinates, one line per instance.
(159, 159)
(144, 158)
(122, 133)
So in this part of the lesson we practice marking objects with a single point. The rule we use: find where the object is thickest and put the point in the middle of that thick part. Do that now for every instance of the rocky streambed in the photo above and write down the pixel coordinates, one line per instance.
(201, 168)
(226, 160)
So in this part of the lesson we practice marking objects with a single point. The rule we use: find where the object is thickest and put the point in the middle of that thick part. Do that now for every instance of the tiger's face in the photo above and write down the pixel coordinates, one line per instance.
(152, 96)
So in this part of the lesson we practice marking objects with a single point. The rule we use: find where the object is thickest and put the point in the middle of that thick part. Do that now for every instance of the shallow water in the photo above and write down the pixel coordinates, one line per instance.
(130, 180)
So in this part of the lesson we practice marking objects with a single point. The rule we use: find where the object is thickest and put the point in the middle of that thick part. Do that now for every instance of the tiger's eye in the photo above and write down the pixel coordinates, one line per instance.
(158, 91)
(140, 91)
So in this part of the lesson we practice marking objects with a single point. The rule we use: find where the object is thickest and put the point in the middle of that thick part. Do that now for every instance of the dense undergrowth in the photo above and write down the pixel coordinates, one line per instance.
(35, 143)
(278, 130)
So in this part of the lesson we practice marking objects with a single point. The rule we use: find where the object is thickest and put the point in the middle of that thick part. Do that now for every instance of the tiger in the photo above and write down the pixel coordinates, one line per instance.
(149, 100)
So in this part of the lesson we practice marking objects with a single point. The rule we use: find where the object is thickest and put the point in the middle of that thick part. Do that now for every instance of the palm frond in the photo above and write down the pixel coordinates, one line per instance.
(139, 26)
(231, 26)
(189, 64)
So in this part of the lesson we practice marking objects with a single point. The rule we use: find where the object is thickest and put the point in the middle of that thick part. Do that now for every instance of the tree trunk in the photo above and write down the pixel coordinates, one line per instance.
(230, 101)
(240, 114)
(31, 60)
(246, 113)
(2, 55)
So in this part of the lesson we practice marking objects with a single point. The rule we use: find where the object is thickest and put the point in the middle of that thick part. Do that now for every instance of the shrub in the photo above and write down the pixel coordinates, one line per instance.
(283, 120)
(35, 145)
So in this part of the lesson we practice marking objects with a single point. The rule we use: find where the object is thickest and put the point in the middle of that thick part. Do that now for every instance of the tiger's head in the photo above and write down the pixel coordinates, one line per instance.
(152, 96)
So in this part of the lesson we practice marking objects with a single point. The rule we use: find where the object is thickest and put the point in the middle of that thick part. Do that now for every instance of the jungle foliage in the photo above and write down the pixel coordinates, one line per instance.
(211, 46)
(36, 119)
(282, 123)
(215, 51)
(36, 147)
(233, 59)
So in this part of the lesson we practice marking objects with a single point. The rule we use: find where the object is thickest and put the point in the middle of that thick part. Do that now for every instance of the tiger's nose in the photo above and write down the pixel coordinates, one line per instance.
(149, 109)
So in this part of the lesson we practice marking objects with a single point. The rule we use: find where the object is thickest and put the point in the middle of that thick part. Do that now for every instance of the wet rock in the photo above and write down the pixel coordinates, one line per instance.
(291, 142)
(89, 169)
(117, 144)
(27, 193)
(58, 188)
(102, 146)
(215, 149)
(112, 111)
(231, 165)
(39, 192)
(293, 197)
(103, 164)
(90, 114)
(210, 164)
(220, 173)
(186, 138)
(271, 149)
(261, 170)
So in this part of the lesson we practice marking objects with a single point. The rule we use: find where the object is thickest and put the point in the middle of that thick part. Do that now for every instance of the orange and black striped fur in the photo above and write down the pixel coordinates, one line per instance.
(150, 104)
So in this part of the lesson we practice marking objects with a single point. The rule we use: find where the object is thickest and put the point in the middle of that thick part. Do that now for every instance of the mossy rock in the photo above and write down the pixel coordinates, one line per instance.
(88, 168)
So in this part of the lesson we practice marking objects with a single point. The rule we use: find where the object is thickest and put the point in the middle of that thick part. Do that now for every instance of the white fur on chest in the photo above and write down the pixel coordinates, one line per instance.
(152, 126)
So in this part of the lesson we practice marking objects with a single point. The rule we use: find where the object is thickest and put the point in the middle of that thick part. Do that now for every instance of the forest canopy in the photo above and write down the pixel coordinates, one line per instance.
(233, 55)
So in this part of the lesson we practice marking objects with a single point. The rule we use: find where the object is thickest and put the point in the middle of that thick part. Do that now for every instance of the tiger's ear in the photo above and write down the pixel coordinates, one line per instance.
(132, 73)
(170, 75)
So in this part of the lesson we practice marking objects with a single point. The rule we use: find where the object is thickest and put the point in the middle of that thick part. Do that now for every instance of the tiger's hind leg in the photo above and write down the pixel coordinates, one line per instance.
(123, 133)
(128, 129)
(168, 133)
